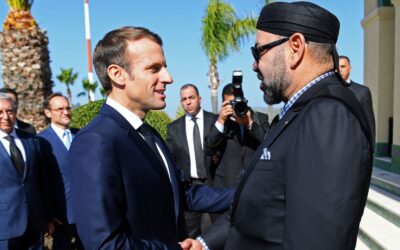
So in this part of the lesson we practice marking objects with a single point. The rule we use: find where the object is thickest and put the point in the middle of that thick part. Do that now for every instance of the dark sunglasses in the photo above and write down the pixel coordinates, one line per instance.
(256, 51)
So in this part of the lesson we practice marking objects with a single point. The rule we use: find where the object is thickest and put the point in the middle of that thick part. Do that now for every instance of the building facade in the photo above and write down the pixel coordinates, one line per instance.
(381, 26)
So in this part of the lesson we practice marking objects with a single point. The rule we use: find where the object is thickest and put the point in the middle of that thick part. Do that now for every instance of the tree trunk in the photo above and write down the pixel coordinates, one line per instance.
(69, 96)
(213, 85)
(26, 68)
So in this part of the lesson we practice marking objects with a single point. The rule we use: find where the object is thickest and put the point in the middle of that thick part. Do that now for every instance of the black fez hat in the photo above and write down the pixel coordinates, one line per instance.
(314, 22)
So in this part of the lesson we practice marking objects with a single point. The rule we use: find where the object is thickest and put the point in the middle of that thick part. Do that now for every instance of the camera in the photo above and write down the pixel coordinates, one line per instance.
(239, 103)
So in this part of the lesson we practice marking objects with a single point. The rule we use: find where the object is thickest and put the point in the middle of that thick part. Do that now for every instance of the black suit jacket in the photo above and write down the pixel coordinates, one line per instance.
(307, 184)
(234, 151)
(178, 145)
(26, 127)
(363, 95)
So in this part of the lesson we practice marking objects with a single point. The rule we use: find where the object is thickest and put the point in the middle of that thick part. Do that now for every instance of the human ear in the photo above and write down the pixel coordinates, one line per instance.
(297, 44)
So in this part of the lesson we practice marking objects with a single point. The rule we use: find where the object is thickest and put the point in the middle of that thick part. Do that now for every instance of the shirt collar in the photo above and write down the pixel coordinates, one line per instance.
(13, 134)
(59, 131)
(131, 117)
(296, 96)
(199, 115)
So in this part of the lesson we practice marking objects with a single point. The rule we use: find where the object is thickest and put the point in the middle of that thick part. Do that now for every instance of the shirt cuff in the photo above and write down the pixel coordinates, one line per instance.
(203, 243)
(219, 126)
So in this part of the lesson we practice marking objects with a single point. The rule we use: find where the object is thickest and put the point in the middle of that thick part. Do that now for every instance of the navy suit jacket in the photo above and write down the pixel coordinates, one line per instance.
(59, 175)
(122, 195)
(23, 199)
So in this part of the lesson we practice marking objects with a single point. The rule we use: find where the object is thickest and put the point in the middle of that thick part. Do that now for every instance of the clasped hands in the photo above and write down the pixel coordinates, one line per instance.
(191, 244)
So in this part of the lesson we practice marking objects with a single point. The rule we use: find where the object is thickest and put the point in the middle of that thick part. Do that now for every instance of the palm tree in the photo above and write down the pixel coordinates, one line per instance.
(26, 61)
(68, 77)
(88, 87)
(222, 32)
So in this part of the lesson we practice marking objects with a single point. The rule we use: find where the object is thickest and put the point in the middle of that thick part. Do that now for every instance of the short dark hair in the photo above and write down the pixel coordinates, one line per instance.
(344, 57)
(46, 104)
(112, 50)
(188, 85)
(10, 91)
(227, 90)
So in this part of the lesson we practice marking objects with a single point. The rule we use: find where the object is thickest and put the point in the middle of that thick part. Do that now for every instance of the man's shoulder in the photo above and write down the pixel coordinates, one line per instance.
(177, 121)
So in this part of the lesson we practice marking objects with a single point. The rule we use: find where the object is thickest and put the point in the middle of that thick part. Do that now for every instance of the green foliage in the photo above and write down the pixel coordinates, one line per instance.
(223, 31)
(179, 112)
(67, 76)
(82, 115)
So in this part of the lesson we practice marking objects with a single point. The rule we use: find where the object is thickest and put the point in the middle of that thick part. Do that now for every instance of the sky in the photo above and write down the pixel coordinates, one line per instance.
(178, 22)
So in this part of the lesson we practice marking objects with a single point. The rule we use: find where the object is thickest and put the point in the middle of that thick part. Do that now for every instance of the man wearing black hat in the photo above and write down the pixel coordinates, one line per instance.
(307, 184)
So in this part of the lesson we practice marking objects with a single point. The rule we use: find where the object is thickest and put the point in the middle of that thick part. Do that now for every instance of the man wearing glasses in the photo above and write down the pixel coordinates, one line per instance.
(59, 137)
(307, 184)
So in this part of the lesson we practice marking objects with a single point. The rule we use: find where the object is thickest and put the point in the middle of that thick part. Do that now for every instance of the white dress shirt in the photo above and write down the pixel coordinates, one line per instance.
(60, 132)
(17, 142)
(189, 125)
(136, 122)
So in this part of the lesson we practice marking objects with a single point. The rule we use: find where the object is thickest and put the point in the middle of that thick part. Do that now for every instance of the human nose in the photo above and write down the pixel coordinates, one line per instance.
(255, 66)
(166, 77)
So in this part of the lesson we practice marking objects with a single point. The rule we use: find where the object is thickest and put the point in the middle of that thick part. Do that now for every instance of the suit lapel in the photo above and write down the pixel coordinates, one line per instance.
(272, 135)
(182, 136)
(28, 152)
(57, 140)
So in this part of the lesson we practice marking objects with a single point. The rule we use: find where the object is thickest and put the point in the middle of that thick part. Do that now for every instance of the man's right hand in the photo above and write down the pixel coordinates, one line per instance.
(191, 244)
(225, 113)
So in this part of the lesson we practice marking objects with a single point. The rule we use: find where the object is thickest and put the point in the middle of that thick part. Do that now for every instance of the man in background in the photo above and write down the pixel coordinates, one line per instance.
(185, 139)
(18, 124)
(25, 208)
(59, 136)
(234, 139)
(362, 92)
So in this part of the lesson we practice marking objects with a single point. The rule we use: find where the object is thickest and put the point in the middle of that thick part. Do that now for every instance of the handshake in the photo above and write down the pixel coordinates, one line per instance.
(191, 244)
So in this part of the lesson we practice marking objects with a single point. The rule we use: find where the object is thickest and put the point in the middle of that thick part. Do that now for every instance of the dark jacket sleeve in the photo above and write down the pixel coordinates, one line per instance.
(47, 164)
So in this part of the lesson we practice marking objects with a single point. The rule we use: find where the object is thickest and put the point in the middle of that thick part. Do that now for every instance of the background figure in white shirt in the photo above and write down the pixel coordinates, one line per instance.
(181, 142)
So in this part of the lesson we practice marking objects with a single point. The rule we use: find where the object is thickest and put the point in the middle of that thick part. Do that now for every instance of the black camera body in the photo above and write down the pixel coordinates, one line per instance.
(239, 103)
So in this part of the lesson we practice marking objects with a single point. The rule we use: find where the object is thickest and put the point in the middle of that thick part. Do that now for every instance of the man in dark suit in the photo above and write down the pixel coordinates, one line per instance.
(18, 124)
(181, 142)
(59, 137)
(362, 92)
(307, 184)
(126, 191)
(25, 209)
(234, 139)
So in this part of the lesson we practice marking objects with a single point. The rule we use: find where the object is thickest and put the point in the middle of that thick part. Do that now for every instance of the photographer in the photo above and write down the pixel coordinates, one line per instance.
(234, 140)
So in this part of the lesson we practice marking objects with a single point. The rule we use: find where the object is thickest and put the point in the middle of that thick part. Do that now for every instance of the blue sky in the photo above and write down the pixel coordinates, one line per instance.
(178, 22)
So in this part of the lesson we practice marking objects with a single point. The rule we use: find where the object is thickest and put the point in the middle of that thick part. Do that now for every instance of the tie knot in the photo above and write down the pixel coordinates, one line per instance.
(66, 133)
(145, 129)
(9, 138)
(194, 119)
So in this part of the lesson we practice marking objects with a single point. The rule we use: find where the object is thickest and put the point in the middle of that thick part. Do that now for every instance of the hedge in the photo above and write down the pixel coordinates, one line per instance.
(82, 115)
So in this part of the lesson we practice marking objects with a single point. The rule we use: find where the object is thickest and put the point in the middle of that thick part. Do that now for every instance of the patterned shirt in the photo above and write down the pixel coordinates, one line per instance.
(296, 96)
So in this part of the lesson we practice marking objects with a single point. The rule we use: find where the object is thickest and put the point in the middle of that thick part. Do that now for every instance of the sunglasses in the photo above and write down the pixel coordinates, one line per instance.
(256, 51)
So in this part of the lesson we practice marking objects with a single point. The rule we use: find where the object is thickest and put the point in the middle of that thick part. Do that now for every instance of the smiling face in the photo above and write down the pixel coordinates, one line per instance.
(7, 116)
(59, 112)
(143, 88)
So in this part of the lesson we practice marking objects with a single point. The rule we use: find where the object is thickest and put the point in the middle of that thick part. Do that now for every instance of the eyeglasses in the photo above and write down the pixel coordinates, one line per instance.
(61, 109)
(256, 51)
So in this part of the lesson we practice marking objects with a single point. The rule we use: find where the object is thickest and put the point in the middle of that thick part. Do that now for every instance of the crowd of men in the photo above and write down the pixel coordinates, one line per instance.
(219, 181)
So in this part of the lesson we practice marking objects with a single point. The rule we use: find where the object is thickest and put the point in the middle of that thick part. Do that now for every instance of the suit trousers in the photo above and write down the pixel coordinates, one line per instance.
(30, 240)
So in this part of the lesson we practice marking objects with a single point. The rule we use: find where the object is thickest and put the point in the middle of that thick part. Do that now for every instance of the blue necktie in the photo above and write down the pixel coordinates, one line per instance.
(67, 139)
